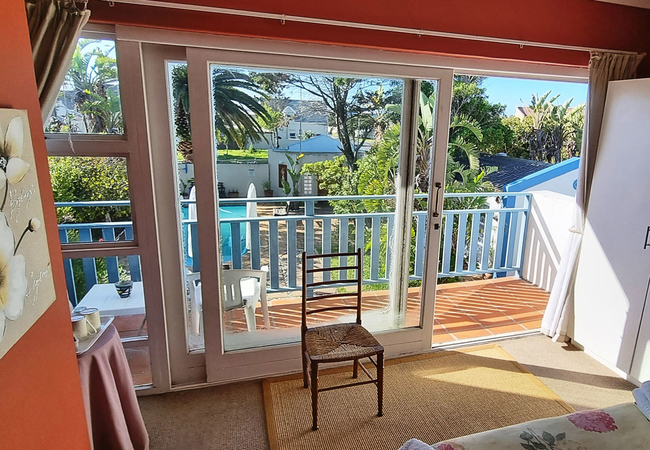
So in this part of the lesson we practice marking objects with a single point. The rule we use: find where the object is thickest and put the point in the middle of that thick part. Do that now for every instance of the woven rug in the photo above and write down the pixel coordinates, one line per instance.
(431, 397)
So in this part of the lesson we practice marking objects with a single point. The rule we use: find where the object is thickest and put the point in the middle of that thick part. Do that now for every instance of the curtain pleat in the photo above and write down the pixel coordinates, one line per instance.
(54, 28)
(603, 68)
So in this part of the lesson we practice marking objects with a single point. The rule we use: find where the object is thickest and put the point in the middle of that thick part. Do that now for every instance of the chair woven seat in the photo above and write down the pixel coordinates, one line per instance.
(340, 342)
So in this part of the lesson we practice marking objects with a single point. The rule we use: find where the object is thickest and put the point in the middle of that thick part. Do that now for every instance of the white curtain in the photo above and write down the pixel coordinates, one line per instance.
(603, 68)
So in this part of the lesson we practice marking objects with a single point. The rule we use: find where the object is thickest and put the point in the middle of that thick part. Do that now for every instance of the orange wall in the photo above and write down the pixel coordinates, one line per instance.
(586, 23)
(40, 394)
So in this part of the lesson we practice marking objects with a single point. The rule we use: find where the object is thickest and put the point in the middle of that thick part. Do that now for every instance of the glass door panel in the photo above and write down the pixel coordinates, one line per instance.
(305, 162)
(178, 84)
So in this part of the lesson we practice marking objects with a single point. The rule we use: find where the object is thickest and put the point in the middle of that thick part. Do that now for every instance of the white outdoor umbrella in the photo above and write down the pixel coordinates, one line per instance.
(251, 211)
(191, 215)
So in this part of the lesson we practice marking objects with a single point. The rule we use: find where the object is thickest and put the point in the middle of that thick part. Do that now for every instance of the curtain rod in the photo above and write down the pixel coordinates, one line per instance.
(284, 18)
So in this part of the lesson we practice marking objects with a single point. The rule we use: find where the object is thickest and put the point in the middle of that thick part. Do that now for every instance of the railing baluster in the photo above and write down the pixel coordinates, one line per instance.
(134, 260)
(419, 244)
(274, 254)
(487, 241)
(446, 253)
(255, 243)
(108, 234)
(389, 245)
(374, 248)
(360, 234)
(309, 238)
(512, 238)
(90, 271)
(327, 246)
(292, 250)
(196, 261)
(343, 246)
(69, 275)
(498, 253)
(235, 244)
(460, 243)
(522, 240)
(473, 243)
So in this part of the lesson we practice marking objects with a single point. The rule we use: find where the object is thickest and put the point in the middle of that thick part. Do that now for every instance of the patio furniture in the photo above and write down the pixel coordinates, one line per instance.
(105, 298)
(338, 342)
(112, 413)
(240, 289)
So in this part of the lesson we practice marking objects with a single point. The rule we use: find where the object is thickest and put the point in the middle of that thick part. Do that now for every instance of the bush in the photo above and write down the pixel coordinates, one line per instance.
(77, 179)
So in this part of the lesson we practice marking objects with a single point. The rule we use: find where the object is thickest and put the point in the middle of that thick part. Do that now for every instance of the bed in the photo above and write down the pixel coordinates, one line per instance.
(617, 427)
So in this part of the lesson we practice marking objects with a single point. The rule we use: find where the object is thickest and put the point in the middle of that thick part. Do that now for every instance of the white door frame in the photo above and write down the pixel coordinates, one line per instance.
(188, 368)
(253, 363)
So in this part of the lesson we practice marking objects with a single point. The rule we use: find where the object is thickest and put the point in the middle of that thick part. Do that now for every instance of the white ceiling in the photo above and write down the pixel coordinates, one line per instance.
(636, 3)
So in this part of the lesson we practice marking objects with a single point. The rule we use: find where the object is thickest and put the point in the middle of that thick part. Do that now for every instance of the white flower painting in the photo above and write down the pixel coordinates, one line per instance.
(26, 285)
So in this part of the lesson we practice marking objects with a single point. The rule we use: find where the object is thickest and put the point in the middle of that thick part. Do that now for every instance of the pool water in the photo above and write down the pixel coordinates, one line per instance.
(225, 212)
(231, 212)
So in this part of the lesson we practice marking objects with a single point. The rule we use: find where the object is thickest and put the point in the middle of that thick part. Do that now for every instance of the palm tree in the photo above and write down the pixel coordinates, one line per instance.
(93, 75)
(237, 112)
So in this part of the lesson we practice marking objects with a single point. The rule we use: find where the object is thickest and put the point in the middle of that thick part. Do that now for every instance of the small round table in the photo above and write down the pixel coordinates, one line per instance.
(112, 411)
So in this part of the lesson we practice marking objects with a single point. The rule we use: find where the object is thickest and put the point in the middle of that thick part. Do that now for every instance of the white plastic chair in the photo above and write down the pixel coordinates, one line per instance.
(240, 289)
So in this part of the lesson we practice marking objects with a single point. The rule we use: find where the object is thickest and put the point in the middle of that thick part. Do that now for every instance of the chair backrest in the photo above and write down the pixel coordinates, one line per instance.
(308, 286)
(231, 286)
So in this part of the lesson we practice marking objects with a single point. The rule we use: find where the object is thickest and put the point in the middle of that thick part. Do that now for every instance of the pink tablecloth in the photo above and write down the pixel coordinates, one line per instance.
(112, 412)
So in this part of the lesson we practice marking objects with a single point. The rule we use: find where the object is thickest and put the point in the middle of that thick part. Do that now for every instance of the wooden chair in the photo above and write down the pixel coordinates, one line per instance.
(338, 342)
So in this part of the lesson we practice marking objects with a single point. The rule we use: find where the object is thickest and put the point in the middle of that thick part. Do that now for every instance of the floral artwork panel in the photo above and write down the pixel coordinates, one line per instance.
(26, 284)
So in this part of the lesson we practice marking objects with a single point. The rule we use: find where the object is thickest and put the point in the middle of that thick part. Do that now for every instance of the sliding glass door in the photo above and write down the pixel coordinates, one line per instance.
(262, 157)
(315, 157)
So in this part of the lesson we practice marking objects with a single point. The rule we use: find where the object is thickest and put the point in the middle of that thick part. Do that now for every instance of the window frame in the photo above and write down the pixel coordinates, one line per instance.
(132, 146)
(243, 50)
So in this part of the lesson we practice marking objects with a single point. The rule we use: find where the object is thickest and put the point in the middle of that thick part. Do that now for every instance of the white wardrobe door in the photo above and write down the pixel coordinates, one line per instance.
(613, 268)
(641, 361)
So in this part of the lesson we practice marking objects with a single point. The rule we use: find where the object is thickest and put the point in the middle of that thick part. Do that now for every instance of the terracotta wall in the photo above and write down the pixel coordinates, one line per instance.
(40, 395)
(584, 23)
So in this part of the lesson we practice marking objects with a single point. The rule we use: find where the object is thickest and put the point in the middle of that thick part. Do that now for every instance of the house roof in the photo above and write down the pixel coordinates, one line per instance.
(318, 144)
(547, 173)
(312, 111)
(509, 169)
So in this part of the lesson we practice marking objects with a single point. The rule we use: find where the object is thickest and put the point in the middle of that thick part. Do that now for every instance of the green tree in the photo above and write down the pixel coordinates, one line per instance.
(470, 101)
(356, 105)
(93, 78)
(79, 179)
(553, 131)
(238, 108)
(273, 120)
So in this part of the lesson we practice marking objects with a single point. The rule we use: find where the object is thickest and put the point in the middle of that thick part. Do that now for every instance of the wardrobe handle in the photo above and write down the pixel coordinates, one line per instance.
(438, 186)
(647, 233)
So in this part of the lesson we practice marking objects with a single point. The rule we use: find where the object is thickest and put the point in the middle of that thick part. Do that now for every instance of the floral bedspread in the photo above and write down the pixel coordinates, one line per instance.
(617, 427)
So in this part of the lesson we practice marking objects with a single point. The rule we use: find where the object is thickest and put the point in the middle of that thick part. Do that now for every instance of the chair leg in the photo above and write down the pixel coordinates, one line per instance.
(305, 376)
(380, 384)
(314, 395)
(249, 312)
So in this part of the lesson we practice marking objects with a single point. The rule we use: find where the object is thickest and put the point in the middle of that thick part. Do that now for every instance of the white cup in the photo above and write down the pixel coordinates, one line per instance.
(93, 319)
(79, 326)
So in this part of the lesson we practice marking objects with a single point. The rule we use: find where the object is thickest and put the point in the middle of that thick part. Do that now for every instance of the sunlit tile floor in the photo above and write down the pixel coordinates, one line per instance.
(464, 311)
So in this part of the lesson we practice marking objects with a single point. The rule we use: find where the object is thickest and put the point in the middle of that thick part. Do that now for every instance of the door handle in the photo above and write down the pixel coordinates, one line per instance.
(438, 186)
(647, 233)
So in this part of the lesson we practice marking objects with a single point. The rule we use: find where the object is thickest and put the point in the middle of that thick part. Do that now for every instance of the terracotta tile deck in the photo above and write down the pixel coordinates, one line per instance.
(464, 311)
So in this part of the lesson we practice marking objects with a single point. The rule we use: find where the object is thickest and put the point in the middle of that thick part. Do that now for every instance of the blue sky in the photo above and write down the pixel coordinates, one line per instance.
(511, 91)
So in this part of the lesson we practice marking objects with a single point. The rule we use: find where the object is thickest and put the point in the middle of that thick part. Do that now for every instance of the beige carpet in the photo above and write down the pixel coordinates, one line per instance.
(580, 380)
(434, 397)
(231, 417)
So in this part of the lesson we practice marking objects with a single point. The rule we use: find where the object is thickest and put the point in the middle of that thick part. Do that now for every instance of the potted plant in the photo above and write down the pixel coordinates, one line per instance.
(124, 287)
(268, 192)
(234, 193)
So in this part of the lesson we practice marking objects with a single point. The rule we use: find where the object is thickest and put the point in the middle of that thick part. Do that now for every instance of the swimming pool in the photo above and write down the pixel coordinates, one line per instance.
(225, 212)
(231, 212)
